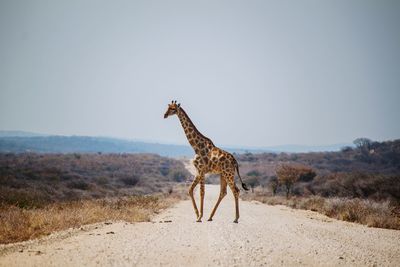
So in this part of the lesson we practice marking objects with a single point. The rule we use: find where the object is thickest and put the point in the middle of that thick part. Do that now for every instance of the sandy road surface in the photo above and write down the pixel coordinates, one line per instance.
(265, 235)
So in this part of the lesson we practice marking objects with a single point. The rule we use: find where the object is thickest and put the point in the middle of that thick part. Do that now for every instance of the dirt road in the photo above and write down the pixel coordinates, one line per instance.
(265, 235)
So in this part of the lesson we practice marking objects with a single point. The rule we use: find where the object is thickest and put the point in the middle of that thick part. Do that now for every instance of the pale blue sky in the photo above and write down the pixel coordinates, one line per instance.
(249, 73)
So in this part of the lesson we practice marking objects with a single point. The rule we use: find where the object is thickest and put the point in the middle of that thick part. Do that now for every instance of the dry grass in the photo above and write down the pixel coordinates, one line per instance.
(41, 194)
(19, 224)
(368, 212)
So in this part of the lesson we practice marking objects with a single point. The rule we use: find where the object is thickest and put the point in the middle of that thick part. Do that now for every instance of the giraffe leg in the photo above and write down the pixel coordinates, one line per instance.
(222, 194)
(202, 191)
(235, 192)
(192, 187)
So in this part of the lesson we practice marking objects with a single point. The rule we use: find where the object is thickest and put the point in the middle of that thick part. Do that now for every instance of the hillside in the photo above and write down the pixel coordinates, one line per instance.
(37, 179)
(86, 144)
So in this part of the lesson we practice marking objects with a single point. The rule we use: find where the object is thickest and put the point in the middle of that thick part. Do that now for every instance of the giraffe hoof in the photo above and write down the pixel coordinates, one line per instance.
(210, 220)
(198, 220)
(235, 221)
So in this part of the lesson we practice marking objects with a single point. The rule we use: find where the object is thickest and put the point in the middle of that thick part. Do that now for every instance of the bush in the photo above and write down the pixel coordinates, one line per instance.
(358, 185)
(82, 185)
(23, 198)
(178, 176)
(380, 214)
(130, 180)
(253, 181)
(253, 173)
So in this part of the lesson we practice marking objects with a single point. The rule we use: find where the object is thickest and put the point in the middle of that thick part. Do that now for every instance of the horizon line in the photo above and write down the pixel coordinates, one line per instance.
(242, 147)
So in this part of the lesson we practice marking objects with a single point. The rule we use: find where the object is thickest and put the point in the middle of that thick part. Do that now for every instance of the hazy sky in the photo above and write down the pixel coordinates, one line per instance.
(248, 73)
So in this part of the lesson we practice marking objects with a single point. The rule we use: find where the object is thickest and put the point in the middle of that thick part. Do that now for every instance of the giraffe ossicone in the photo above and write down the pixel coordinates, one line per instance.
(208, 159)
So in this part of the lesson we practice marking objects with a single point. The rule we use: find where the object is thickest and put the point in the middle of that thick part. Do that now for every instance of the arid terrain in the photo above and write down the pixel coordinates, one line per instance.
(266, 235)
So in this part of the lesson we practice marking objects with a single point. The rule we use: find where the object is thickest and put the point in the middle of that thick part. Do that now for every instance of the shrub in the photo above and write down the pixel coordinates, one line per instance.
(253, 173)
(178, 176)
(130, 180)
(79, 184)
(380, 214)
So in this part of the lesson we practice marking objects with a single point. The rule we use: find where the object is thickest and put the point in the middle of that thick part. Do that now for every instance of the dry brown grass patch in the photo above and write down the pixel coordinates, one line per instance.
(368, 212)
(18, 224)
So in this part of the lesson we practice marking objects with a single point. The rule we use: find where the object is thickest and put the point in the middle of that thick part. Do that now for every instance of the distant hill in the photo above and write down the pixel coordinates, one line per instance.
(19, 134)
(85, 144)
(19, 142)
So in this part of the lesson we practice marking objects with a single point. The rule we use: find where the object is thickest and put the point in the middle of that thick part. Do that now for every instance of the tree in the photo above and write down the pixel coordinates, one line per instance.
(289, 174)
(363, 143)
(287, 177)
(364, 146)
(178, 176)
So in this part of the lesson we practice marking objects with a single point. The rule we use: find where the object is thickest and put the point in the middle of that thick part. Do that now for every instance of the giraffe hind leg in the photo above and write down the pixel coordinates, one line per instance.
(235, 192)
(202, 191)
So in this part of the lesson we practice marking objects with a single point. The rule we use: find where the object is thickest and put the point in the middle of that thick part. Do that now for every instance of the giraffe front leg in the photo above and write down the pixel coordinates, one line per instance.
(192, 187)
(222, 194)
(202, 192)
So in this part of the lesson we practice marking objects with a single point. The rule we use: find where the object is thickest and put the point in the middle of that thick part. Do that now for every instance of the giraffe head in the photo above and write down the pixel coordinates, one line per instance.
(172, 109)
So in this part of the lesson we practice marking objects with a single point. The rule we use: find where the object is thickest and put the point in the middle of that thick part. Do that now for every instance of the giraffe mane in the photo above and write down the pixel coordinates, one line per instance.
(194, 127)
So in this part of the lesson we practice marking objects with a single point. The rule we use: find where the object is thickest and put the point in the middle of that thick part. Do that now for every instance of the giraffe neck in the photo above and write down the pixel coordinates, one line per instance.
(196, 139)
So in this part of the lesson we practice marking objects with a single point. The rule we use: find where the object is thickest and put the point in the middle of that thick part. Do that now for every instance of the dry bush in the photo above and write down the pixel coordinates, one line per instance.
(357, 185)
(18, 224)
(368, 212)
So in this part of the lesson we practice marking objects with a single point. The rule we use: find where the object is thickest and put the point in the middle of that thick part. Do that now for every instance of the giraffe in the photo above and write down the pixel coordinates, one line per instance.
(208, 159)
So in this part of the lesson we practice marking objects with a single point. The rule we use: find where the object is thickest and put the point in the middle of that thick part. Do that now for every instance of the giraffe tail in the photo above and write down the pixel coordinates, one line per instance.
(243, 184)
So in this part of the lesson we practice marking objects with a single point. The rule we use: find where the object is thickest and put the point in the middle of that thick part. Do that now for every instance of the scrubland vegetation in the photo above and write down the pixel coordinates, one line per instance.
(42, 193)
(360, 184)
(34, 180)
